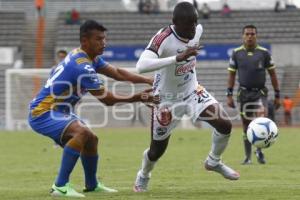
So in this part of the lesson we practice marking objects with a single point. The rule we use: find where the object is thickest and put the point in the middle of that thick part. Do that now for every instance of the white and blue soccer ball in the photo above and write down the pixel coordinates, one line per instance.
(262, 132)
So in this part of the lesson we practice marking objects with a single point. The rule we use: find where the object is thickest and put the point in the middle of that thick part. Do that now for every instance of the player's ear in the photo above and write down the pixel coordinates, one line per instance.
(83, 40)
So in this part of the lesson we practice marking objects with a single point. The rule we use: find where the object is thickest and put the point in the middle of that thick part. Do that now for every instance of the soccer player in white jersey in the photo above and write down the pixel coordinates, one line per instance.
(172, 54)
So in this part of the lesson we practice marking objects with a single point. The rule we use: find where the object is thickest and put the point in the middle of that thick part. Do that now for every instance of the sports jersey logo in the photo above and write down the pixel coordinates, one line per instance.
(185, 68)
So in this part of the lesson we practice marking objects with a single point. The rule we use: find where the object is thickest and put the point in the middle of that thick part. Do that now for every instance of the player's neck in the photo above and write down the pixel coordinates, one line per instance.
(250, 47)
(91, 56)
(178, 35)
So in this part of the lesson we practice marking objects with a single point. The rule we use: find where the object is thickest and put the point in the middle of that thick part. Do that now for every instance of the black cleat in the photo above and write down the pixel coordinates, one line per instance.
(260, 157)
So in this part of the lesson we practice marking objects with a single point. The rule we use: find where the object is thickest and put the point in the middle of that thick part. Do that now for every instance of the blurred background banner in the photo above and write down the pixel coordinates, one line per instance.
(209, 52)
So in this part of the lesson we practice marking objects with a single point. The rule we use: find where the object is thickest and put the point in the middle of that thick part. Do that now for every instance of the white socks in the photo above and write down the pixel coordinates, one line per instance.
(147, 165)
(219, 144)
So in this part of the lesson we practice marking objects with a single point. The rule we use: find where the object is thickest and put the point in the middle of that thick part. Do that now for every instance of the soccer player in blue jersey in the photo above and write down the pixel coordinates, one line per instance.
(51, 111)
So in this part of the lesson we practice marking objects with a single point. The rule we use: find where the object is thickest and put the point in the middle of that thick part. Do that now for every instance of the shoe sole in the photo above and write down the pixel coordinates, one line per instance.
(233, 178)
(138, 190)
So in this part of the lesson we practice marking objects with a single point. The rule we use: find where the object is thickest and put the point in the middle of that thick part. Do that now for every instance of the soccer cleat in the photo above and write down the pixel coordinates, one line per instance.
(247, 161)
(224, 170)
(260, 157)
(100, 188)
(65, 191)
(141, 183)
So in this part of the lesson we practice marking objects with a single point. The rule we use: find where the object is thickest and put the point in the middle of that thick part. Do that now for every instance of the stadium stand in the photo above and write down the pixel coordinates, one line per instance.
(12, 27)
(130, 28)
(134, 28)
(11, 35)
(19, 24)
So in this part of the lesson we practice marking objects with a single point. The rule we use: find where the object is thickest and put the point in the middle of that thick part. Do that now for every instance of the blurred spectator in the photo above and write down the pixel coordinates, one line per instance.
(277, 6)
(287, 106)
(205, 10)
(60, 56)
(39, 5)
(226, 11)
(289, 5)
(141, 6)
(148, 7)
(18, 64)
(73, 17)
(156, 8)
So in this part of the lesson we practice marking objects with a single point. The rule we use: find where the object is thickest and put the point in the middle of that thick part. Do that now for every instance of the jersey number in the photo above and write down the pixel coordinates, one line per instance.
(59, 69)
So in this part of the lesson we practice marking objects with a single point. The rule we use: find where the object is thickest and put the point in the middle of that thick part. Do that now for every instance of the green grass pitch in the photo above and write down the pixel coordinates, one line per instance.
(29, 164)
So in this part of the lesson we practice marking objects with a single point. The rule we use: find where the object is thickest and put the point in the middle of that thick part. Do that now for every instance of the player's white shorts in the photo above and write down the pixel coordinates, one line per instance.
(168, 114)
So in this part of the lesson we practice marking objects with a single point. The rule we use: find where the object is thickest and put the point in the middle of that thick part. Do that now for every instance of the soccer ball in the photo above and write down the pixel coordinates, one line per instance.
(262, 132)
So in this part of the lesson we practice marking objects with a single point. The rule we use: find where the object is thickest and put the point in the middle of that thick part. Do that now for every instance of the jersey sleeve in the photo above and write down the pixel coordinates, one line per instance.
(269, 64)
(156, 44)
(87, 78)
(99, 63)
(232, 62)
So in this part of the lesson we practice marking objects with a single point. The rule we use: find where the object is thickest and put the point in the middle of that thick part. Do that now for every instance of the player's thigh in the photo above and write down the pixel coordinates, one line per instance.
(52, 124)
(217, 117)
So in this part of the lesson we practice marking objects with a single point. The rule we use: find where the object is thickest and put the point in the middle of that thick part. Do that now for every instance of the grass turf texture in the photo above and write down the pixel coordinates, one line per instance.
(29, 164)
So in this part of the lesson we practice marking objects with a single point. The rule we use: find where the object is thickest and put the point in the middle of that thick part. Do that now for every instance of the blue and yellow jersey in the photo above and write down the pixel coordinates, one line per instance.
(70, 80)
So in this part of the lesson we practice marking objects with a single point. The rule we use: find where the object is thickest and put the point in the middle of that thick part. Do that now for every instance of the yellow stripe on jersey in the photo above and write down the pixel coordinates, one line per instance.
(82, 60)
(79, 50)
(48, 103)
(43, 106)
(261, 48)
(239, 48)
(231, 69)
(271, 67)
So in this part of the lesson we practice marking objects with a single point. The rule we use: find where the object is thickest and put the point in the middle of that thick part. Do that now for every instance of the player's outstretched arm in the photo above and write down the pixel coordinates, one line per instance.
(120, 74)
(110, 99)
(149, 61)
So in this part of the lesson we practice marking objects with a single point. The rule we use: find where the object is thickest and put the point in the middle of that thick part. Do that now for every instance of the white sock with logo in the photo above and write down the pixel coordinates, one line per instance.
(219, 144)
(147, 165)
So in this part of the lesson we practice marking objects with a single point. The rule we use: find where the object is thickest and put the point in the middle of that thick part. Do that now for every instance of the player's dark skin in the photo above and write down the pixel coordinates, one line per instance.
(185, 23)
(86, 141)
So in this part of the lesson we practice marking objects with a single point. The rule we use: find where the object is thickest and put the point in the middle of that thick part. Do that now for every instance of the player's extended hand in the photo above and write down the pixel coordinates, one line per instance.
(148, 98)
(190, 51)
(230, 102)
(150, 81)
(277, 103)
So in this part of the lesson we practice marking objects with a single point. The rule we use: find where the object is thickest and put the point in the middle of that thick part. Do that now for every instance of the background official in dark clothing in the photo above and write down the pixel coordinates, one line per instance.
(251, 62)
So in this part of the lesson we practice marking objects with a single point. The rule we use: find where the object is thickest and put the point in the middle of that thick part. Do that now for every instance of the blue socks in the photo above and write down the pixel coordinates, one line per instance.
(69, 159)
(89, 164)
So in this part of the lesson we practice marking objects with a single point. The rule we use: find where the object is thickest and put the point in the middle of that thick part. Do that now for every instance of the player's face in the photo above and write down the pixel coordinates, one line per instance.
(249, 37)
(96, 42)
(186, 28)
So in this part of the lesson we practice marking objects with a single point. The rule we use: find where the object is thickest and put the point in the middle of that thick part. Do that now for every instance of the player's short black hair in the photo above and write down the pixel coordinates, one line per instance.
(88, 26)
(183, 11)
(249, 26)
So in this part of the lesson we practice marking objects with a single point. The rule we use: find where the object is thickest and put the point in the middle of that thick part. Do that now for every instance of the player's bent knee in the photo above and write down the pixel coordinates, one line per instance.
(225, 127)
(93, 139)
(154, 155)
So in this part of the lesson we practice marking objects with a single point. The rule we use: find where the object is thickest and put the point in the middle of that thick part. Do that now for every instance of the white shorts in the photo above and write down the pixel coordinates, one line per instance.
(168, 114)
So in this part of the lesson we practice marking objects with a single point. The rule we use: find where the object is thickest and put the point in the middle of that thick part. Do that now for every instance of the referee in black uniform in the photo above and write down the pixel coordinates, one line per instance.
(251, 62)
